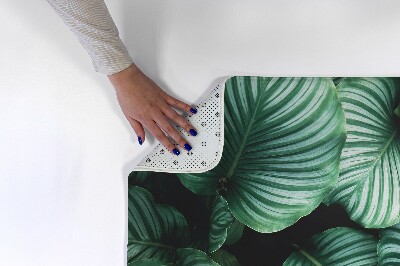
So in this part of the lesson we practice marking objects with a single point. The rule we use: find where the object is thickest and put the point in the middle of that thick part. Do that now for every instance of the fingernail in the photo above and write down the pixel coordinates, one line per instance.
(194, 111)
(187, 146)
(140, 140)
(176, 151)
(193, 132)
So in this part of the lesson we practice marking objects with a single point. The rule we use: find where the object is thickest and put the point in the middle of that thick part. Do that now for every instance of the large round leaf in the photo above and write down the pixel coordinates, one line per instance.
(369, 183)
(389, 246)
(283, 138)
(154, 230)
(337, 246)
(194, 257)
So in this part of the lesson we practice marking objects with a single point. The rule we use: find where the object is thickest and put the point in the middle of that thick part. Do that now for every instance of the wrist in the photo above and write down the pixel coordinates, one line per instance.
(123, 76)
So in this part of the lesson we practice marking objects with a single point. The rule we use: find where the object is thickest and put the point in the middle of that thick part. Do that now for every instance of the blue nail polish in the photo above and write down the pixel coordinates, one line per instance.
(194, 111)
(140, 140)
(193, 132)
(187, 146)
(176, 151)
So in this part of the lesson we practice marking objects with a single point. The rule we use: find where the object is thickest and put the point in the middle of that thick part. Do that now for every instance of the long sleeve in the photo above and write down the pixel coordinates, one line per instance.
(91, 22)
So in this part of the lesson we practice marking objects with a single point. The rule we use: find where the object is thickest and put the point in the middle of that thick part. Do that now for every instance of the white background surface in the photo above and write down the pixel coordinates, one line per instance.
(65, 147)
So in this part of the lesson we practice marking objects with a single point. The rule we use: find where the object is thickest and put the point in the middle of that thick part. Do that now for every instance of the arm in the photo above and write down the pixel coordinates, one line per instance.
(143, 103)
(92, 24)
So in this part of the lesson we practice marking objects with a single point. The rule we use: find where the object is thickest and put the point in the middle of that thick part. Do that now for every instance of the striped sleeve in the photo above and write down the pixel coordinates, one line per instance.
(91, 22)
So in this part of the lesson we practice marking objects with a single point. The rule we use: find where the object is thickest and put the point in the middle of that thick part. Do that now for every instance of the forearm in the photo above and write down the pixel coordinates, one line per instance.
(95, 29)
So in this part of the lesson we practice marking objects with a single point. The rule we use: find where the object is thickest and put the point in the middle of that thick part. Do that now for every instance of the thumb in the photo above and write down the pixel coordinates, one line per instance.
(138, 128)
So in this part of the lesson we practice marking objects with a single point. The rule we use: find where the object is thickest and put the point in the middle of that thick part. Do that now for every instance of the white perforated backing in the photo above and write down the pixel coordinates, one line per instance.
(206, 146)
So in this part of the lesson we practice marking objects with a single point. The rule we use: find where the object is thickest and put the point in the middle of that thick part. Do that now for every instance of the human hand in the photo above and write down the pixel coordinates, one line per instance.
(144, 103)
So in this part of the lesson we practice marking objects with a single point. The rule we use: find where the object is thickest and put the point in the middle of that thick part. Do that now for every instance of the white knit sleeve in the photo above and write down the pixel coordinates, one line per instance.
(91, 22)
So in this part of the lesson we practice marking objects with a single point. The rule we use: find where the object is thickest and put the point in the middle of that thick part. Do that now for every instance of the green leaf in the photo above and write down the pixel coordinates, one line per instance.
(397, 111)
(155, 230)
(221, 219)
(224, 258)
(301, 258)
(210, 236)
(139, 177)
(282, 143)
(206, 183)
(369, 183)
(389, 246)
(235, 232)
(336, 81)
(337, 246)
(191, 256)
